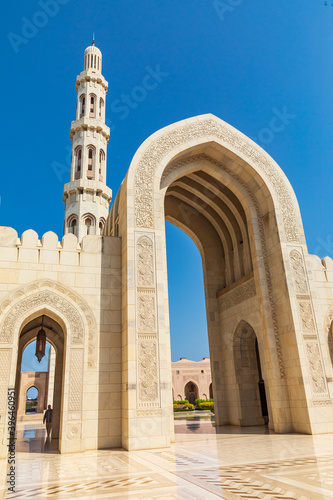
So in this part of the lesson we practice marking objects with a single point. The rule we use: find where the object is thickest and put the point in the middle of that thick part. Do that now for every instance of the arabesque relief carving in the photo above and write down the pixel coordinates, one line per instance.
(146, 169)
(298, 272)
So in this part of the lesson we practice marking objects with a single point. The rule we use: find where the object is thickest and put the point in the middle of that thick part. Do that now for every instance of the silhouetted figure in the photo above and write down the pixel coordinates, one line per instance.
(48, 419)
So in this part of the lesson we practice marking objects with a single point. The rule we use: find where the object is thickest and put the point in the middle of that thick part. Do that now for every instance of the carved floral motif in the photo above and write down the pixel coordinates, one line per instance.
(316, 368)
(145, 262)
(298, 272)
(76, 380)
(148, 388)
(5, 357)
(307, 319)
(146, 313)
(146, 169)
(30, 297)
(237, 295)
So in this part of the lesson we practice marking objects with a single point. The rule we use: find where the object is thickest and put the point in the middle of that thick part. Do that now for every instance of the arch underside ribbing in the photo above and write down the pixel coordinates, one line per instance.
(213, 216)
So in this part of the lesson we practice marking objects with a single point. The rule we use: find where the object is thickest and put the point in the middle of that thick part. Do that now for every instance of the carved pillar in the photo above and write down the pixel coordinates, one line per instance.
(318, 383)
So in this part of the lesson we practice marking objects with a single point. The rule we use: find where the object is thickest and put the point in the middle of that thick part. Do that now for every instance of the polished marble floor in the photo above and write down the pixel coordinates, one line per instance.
(231, 463)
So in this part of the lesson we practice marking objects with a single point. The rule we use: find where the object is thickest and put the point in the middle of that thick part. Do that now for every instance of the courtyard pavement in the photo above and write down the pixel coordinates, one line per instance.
(232, 463)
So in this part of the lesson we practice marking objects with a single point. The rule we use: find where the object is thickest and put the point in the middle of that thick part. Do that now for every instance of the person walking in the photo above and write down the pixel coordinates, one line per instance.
(48, 419)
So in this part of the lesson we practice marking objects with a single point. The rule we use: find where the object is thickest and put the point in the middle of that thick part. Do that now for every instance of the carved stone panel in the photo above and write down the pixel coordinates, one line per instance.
(145, 262)
(146, 313)
(306, 314)
(146, 169)
(148, 376)
(298, 272)
(5, 357)
(76, 380)
(316, 368)
(237, 295)
(42, 298)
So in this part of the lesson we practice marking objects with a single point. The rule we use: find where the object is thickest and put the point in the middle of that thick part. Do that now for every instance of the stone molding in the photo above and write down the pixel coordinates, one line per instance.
(309, 328)
(76, 380)
(48, 292)
(237, 295)
(5, 359)
(146, 322)
(185, 133)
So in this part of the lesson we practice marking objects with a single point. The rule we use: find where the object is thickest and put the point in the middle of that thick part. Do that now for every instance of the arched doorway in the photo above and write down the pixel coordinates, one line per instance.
(50, 382)
(250, 401)
(31, 400)
(236, 204)
(191, 392)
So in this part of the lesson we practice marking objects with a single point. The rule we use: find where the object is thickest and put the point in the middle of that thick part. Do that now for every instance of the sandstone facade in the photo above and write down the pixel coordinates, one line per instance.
(269, 303)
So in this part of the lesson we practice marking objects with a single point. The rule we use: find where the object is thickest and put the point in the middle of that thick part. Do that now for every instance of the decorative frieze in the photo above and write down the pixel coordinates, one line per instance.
(148, 376)
(237, 295)
(145, 261)
(316, 368)
(146, 313)
(306, 314)
(298, 272)
(152, 157)
(5, 358)
(49, 292)
(76, 380)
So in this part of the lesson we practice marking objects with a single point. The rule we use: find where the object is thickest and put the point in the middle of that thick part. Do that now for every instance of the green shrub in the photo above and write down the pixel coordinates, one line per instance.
(183, 402)
(206, 405)
(199, 401)
(183, 407)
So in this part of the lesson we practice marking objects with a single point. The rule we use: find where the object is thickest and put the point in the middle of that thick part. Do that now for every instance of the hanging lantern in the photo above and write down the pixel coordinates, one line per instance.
(40, 344)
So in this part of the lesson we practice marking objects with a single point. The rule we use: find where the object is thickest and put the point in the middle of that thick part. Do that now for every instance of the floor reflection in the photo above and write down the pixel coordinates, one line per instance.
(195, 424)
(31, 438)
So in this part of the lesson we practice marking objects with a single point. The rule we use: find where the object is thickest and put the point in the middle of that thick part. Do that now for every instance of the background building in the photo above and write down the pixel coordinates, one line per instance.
(191, 380)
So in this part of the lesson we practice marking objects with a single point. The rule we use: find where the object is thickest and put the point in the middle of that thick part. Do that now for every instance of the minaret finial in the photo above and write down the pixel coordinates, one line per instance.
(93, 42)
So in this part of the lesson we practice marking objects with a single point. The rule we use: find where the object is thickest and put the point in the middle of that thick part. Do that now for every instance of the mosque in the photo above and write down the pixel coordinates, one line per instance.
(100, 296)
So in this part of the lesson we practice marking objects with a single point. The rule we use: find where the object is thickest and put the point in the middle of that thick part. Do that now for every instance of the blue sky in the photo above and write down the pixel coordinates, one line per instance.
(244, 62)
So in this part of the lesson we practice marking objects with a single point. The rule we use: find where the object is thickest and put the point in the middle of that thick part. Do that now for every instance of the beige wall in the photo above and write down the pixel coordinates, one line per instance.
(185, 371)
(33, 379)
(79, 287)
(109, 297)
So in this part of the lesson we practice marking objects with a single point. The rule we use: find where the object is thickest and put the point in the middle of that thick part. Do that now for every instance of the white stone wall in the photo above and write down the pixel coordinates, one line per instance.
(88, 278)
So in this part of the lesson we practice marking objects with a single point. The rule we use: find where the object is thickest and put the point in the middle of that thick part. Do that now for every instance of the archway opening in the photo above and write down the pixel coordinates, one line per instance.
(44, 376)
(191, 392)
(217, 213)
(31, 400)
(250, 393)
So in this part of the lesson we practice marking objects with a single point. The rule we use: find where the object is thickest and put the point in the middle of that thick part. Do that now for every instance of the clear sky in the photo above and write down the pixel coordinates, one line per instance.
(242, 60)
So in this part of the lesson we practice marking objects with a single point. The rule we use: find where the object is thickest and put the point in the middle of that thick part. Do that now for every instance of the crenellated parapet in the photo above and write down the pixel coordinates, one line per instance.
(49, 249)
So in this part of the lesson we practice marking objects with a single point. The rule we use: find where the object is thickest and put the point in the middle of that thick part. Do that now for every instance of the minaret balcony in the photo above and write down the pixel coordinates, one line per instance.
(86, 123)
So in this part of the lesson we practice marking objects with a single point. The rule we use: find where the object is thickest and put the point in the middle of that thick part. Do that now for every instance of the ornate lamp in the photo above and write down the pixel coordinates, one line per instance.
(41, 343)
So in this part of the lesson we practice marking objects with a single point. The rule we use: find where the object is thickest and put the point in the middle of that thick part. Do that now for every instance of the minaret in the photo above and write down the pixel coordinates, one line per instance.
(86, 196)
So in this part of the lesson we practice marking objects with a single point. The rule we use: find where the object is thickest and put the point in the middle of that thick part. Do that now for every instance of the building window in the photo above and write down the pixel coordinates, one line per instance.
(90, 159)
(88, 224)
(202, 371)
(101, 161)
(82, 105)
(92, 107)
(72, 225)
(101, 107)
(177, 372)
(78, 154)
